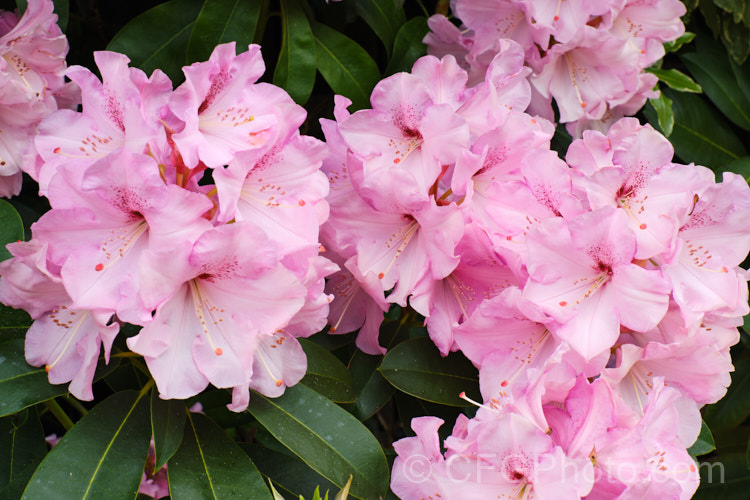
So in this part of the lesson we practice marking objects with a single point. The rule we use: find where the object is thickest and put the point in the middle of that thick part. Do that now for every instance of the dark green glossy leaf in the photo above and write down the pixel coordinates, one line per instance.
(726, 478)
(676, 79)
(209, 464)
(385, 17)
(22, 448)
(704, 443)
(21, 384)
(676, 45)
(326, 374)
(295, 69)
(158, 38)
(710, 66)
(11, 228)
(663, 107)
(372, 389)
(347, 67)
(733, 408)
(167, 423)
(222, 21)
(417, 368)
(700, 133)
(102, 456)
(287, 472)
(408, 46)
(13, 323)
(327, 438)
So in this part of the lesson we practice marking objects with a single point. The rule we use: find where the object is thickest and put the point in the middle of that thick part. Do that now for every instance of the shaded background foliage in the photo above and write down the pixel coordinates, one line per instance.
(342, 419)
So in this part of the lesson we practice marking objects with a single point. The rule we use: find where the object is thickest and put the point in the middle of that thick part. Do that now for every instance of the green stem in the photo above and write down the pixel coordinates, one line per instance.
(77, 405)
(146, 388)
(59, 414)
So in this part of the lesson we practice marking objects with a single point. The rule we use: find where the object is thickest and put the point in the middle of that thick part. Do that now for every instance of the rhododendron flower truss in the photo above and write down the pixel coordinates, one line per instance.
(32, 84)
(587, 56)
(221, 277)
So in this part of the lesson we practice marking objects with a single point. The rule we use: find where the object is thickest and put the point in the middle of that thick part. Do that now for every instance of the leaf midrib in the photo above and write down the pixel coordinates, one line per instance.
(327, 444)
(109, 445)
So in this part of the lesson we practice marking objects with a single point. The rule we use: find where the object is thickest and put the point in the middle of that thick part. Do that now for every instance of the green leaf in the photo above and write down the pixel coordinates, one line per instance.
(222, 21)
(327, 438)
(700, 134)
(704, 443)
(295, 69)
(676, 45)
(740, 9)
(742, 77)
(209, 464)
(21, 384)
(710, 66)
(13, 323)
(347, 67)
(385, 17)
(372, 389)
(22, 448)
(11, 228)
(102, 456)
(287, 471)
(736, 38)
(326, 374)
(733, 408)
(676, 80)
(167, 423)
(663, 107)
(417, 368)
(158, 38)
(408, 46)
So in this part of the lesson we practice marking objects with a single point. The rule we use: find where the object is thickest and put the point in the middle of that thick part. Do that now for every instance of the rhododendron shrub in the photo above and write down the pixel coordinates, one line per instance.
(226, 277)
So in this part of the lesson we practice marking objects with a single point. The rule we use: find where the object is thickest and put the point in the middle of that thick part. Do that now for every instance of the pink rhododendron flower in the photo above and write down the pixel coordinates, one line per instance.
(582, 274)
(492, 455)
(588, 56)
(32, 84)
(66, 340)
(221, 283)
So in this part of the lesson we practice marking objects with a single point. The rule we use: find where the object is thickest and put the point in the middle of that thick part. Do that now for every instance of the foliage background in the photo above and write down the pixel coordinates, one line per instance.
(344, 416)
